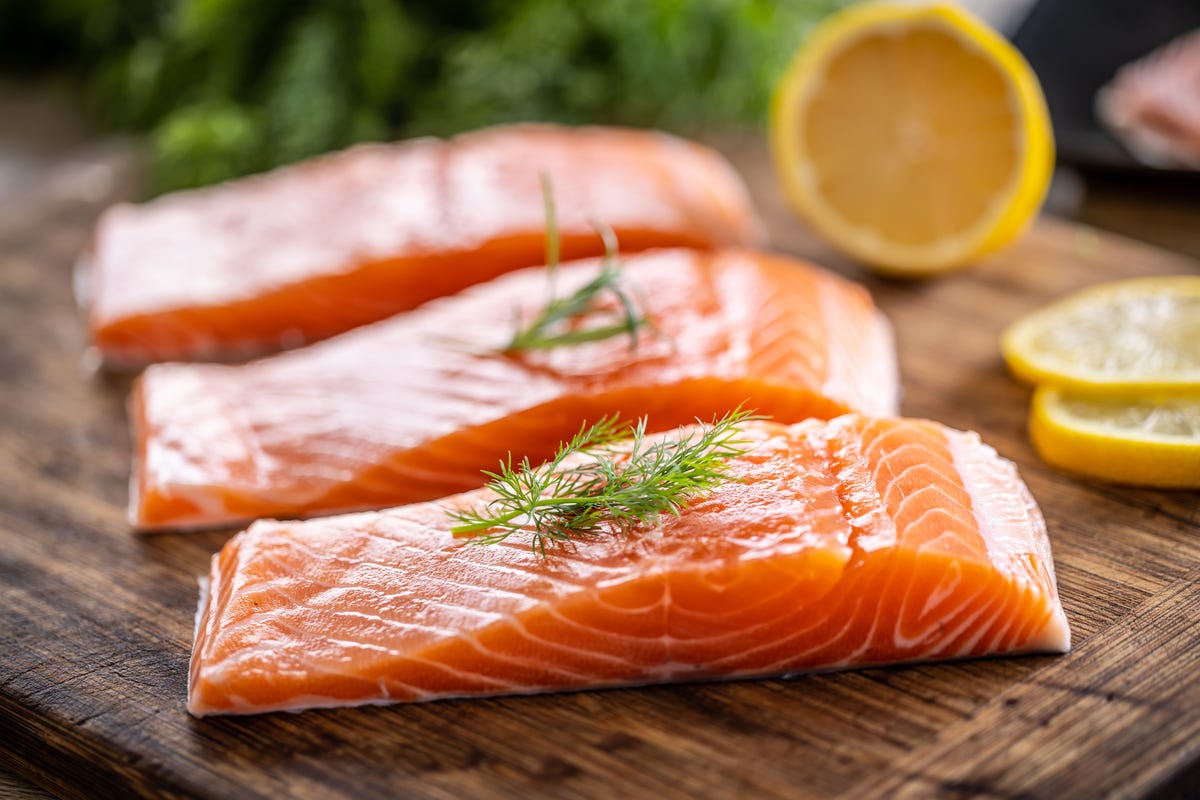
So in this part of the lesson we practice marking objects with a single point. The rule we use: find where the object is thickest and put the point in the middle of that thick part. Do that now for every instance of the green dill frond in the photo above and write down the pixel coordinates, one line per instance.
(607, 479)
(579, 317)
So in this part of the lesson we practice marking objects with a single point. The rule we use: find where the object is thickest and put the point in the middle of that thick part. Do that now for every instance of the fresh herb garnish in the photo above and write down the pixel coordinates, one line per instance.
(551, 213)
(618, 485)
(563, 319)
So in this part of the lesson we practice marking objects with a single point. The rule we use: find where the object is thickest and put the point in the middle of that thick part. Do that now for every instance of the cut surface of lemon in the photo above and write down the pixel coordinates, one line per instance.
(911, 136)
(1146, 442)
(1126, 337)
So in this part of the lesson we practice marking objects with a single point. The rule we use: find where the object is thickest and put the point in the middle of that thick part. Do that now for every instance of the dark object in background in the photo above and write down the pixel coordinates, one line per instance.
(1076, 46)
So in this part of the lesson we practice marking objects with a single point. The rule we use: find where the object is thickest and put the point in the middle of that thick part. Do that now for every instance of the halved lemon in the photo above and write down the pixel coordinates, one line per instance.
(1143, 442)
(912, 137)
(1119, 338)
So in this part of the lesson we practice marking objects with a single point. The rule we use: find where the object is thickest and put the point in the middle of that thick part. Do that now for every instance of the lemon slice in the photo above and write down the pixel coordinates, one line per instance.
(1143, 442)
(912, 137)
(1126, 337)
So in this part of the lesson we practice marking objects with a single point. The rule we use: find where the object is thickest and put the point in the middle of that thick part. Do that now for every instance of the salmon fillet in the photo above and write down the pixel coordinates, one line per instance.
(839, 544)
(312, 250)
(1152, 105)
(412, 408)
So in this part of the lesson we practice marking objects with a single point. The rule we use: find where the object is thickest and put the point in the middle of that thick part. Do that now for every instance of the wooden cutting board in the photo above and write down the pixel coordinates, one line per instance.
(95, 623)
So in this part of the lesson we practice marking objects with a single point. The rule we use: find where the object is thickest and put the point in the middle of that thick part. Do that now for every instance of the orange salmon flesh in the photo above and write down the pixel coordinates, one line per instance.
(311, 250)
(838, 544)
(414, 407)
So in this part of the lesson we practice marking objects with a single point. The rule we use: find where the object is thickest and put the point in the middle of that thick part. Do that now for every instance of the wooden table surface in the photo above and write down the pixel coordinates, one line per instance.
(95, 622)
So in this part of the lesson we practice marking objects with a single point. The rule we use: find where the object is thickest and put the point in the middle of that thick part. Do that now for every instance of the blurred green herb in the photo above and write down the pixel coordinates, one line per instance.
(226, 87)
(561, 320)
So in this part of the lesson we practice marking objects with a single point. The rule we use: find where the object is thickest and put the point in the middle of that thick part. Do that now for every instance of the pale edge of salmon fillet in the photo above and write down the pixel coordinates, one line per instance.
(840, 544)
(316, 248)
(414, 407)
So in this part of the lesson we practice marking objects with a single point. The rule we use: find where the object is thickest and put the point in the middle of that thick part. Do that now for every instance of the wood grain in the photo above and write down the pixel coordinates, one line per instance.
(95, 623)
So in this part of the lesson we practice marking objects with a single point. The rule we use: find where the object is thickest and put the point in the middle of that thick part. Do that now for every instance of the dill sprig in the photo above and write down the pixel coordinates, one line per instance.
(551, 213)
(616, 482)
(560, 322)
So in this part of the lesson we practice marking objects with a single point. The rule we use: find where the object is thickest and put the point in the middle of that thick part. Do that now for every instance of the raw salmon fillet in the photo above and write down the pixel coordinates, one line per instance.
(412, 408)
(1153, 105)
(841, 544)
(312, 250)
